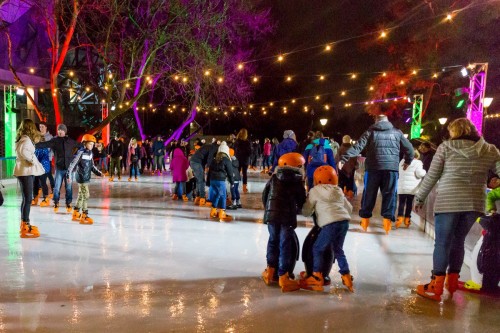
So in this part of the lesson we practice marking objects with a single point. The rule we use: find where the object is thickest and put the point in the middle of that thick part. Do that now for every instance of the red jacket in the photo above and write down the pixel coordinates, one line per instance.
(267, 149)
(179, 165)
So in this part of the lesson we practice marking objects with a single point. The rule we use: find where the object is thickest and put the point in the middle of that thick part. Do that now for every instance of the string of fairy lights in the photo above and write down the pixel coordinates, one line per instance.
(287, 104)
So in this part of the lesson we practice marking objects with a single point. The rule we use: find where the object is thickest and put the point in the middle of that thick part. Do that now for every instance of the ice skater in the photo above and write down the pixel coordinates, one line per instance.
(333, 212)
(220, 170)
(83, 164)
(283, 196)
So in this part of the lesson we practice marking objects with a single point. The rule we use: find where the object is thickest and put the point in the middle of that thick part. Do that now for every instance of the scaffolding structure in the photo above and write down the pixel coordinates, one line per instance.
(416, 121)
(477, 89)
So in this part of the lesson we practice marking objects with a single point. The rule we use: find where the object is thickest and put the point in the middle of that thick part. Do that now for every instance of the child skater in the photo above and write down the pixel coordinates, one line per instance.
(326, 199)
(83, 164)
(408, 182)
(220, 169)
(283, 196)
(179, 165)
(235, 191)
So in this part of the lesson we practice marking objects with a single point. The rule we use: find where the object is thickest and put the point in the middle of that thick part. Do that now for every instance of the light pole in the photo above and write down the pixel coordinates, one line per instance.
(486, 104)
(323, 121)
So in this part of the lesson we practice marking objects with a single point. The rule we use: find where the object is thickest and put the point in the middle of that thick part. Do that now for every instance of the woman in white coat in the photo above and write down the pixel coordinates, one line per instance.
(26, 168)
(408, 182)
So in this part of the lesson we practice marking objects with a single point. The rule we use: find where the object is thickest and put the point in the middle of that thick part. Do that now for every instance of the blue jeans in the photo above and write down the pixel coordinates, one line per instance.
(180, 188)
(60, 178)
(217, 193)
(266, 161)
(387, 182)
(279, 248)
(235, 191)
(199, 174)
(451, 230)
(331, 238)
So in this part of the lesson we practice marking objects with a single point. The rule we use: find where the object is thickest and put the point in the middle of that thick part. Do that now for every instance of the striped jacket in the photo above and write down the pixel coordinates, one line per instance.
(461, 166)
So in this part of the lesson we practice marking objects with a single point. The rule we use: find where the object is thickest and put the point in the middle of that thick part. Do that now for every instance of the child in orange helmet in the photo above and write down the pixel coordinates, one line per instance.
(83, 165)
(283, 196)
(333, 211)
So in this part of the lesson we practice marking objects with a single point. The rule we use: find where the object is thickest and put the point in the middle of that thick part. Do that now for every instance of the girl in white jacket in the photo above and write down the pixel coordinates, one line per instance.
(333, 211)
(408, 182)
(27, 167)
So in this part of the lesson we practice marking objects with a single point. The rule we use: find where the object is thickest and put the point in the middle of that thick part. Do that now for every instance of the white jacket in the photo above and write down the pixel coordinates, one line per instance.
(411, 177)
(26, 162)
(329, 203)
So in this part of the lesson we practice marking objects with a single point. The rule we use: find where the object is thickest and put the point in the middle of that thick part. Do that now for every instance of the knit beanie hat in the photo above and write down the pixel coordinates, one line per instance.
(62, 127)
(288, 134)
(223, 148)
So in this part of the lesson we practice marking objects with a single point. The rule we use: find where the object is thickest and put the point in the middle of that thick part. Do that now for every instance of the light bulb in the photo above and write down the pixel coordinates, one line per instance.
(280, 58)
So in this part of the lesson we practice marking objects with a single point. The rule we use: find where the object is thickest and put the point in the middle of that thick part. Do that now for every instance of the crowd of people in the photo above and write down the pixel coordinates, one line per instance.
(315, 176)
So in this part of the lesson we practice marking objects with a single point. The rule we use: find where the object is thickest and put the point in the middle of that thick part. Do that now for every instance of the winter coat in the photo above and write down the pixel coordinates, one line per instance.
(26, 162)
(236, 169)
(47, 137)
(461, 166)
(427, 159)
(158, 148)
(116, 148)
(352, 163)
(329, 203)
(283, 197)
(267, 149)
(179, 166)
(286, 146)
(205, 154)
(83, 164)
(43, 155)
(383, 145)
(220, 170)
(63, 148)
(242, 151)
(133, 151)
(411, 177)
(256, 150)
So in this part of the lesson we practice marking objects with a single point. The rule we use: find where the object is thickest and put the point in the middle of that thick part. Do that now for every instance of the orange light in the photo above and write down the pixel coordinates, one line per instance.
(281, 58)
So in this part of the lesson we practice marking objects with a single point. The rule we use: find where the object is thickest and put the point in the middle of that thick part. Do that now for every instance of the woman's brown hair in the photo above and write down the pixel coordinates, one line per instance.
(462, 127)
(242, 134)
(29, 129)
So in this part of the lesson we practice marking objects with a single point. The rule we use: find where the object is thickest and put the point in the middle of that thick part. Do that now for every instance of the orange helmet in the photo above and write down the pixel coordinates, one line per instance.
(291, 159)
(325, 174)
(231, 152)
(88, 137)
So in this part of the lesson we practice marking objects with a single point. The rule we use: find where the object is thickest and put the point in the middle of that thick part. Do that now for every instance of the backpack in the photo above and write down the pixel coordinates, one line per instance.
(317, 155)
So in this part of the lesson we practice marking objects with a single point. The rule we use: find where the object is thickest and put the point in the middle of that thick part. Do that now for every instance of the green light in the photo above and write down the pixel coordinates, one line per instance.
(10, 124)
(460, 103)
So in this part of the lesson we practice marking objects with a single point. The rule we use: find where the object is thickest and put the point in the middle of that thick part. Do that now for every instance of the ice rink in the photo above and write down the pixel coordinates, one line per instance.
(150, 264)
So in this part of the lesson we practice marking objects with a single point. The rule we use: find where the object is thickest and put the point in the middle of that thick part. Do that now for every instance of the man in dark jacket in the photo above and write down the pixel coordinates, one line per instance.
(63, 147)
(283, 197)
(115, 154)
(159, 154)
(288, 145)
(383, 144)
(202, 158)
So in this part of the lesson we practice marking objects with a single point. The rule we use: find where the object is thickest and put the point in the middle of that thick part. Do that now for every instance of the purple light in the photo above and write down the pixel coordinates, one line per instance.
(477, 89)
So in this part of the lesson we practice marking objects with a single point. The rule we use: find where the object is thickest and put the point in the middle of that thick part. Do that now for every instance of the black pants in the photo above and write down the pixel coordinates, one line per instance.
(41, 181)
(243, 170)
(346, 182)
(26, 184)
(405, 204)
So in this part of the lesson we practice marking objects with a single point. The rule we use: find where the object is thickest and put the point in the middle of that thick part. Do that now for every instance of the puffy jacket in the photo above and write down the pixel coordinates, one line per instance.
(383, 145)
(26, 159)
(220, 170)
(83, 164)
(411, 177)
(43, 155)
(242, 151)
(461, 166)
(236, 169)
(286, 146)
(179, 165)
(63, 148)
(283, 197)
(205, 154)
(329, 203)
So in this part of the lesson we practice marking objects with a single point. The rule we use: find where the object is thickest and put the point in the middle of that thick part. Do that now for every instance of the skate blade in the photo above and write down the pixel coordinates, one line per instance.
(86, 222)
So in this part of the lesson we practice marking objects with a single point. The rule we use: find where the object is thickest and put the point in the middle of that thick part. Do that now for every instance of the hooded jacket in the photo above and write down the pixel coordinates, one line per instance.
(205, 154)
(283, 197)
(220, 170)
(329, 203)
(179, 165)
(411, 177)
(383, 145)
(288, 145)
(63, 149)
(461, 166)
